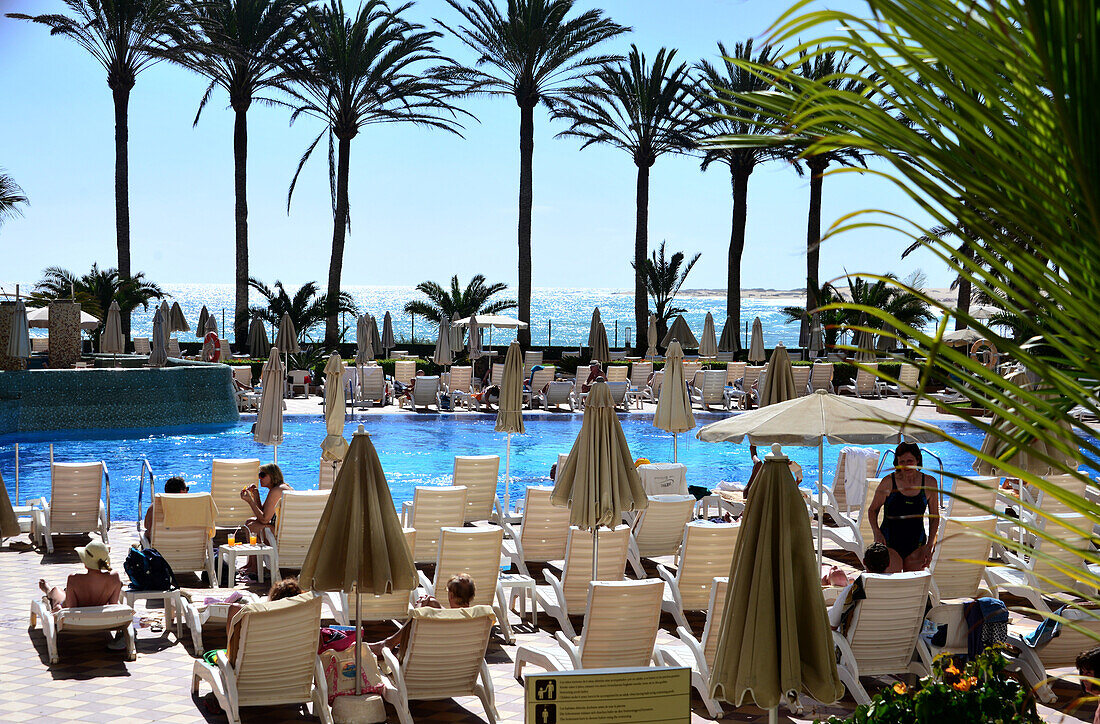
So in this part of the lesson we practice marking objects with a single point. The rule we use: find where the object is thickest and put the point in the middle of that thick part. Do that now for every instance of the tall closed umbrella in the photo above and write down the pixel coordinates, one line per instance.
(19, 343)
(651, 350)
(269, 418)
(680, 332)
(708, 345)
(359, 545)
(510, 409)
(158, 344)
(287, 339)
(600, 351)
(728, 342)
(387, 335)
(211, 324)
(375, 338)
(455, 332)
(673, 403)
(774, 641)
(817, 338)
(200, 324)
(598, 480)
(112, 341)
(443, 355)
(756, 342)
(779, 382)
(364, 350)
(258, 343)
(864, 342)
(1026, 452)
(596, 321)
(334, 445)
(176, 321)
(473, 344)
(814, 420)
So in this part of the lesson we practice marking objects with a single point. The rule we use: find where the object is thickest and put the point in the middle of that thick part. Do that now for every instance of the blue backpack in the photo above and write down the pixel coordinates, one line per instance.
(148, 571)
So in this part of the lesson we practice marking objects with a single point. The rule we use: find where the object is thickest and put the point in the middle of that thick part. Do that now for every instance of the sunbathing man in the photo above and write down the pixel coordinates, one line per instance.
(98, 586)
(271, 478)
(460, 594)
(171, 485)
(595, 374)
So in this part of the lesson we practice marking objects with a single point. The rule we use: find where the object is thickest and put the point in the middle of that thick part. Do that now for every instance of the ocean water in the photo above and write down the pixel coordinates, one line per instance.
(560, 315)
(414, 450)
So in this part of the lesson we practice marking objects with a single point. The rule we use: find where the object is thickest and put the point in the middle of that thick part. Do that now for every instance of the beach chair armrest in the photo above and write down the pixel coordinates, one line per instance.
(673, 586)
(143, 541)
(510, 533)
(846, 655)
(396, 675)
(693, 646)
(229, 679)
(1013, 560)
(406, 513)
(555, 586)
(428, 586)
(570, 648)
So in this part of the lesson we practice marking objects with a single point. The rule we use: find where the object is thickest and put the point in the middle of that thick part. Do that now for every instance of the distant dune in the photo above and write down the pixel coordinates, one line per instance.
(797, 297)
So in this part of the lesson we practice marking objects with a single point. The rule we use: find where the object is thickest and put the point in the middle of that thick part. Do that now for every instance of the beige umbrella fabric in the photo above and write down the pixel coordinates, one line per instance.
(200, 325)
(680, 332)
(1029, 451)
(177, 322)
(600, 351)
(211, 324)
(375, 338)
(455, 332)
(817, 338)
(258, 343)
(9, 523)
(779, 382)
(334, 445)
(112, 341)
(728, 342)
(651, 350)
(387, 335)
(708, 345)
(774, 641)
(865, 346)
(359, 544)
(960, 337)
(510, 410)
(286, 341)
(473, 344)
(40, 319)
(673, 403)
(756, 342)
(269, 418)
(364, 352)
(596, 322)
(158, 344)
(443, 355)
(19, 341)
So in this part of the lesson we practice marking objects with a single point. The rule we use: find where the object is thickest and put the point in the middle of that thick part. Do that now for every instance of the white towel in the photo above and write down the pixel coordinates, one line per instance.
(855, 474)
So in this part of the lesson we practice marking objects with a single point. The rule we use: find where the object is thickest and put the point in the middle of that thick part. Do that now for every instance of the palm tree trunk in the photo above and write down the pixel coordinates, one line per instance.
(641, 247)
(240, 190)
(122, 190)
(813, 235)
(526, 198)
(339, 230)
(963, 303)
(740, 181)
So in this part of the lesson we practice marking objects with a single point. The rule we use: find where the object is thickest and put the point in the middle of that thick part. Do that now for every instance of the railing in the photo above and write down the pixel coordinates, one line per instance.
(924, 451)
(107, 478)
(145, 468)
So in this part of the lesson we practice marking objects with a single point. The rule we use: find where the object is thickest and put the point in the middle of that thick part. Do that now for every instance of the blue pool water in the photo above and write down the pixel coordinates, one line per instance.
(413, 450)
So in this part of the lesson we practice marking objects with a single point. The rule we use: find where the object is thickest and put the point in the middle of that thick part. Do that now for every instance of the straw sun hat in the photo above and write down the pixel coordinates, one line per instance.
(95, 556)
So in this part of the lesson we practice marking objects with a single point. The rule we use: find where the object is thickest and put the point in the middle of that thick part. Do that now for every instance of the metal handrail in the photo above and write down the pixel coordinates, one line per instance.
(924, 451)
(145, 467)
(107, 478)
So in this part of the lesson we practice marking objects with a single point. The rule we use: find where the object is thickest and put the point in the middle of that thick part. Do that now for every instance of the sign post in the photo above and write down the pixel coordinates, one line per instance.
(608, 696)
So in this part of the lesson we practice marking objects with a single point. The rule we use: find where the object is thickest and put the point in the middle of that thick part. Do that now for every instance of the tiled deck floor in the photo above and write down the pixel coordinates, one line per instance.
(92, 684)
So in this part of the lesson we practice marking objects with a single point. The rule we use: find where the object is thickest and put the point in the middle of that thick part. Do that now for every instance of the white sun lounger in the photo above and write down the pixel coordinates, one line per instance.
(188, 547)
(659, 529)
(372, 386)
(543, 533)
(712, 393)
(866, 383)
(557, 394)
(82, 619)
(295, 525)
(327, 472)
(821, 376)
(479, 473)
(962, 541)
(698, 654)
(75, 505)
(227, 479)
(568, 596)
(705, 554)
(197, 613)
(431, 509)
(1047, 568)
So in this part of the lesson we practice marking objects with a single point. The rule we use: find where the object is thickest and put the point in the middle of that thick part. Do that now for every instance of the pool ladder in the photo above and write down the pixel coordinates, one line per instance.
(924, 451)
(145, 468)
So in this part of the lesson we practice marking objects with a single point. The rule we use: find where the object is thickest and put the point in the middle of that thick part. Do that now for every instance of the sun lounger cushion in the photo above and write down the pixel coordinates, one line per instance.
(95, 618)
(453, 614)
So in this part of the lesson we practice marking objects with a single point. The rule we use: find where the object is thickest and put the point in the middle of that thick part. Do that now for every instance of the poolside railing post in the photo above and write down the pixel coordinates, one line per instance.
(616, 333)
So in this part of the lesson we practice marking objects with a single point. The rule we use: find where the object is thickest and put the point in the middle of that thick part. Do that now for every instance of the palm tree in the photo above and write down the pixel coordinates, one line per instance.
(306, 308)
(354, 71)
(663, 277)
(442, 305)
(647, 111)
(95, 291)
(535, 53)
(830, 318)
(241, 46)
(126, 37)
(10, 195)
(725, 81)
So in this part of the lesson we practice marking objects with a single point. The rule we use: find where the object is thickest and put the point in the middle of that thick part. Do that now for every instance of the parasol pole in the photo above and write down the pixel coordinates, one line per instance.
(595, 551)
(276, 461)
(358, 645)
(675, 450)
(773, 715)
(507, 473)
(820, 500)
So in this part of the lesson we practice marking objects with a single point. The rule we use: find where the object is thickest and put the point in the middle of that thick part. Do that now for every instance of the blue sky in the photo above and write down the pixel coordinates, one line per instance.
(425, 204)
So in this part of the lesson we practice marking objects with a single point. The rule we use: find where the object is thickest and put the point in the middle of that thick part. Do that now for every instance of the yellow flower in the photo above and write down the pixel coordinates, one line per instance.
(965, 684)
(900, 688)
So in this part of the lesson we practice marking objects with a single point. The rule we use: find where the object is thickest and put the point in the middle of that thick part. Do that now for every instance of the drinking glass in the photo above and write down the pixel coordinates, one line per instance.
(251, 539)
(232, 540)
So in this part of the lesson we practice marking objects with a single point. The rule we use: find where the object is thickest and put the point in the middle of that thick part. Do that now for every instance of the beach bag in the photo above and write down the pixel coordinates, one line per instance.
(148, 571)
(339, 668)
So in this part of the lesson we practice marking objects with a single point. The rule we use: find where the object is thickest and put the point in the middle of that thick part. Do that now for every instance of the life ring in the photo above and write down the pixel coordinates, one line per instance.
(211, 338)
(984, 346)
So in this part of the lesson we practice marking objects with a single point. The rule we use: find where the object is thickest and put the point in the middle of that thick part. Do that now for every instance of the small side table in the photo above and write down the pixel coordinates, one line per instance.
(171, 601)
(521, 586)
(227, 555)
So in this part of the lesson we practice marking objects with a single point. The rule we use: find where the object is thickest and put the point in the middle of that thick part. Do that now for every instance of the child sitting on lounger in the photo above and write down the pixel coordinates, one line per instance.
(171, 485)
(460, 594)
(99, 586)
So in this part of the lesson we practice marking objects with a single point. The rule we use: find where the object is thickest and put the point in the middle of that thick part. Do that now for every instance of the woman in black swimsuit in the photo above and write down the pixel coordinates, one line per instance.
(908, 496)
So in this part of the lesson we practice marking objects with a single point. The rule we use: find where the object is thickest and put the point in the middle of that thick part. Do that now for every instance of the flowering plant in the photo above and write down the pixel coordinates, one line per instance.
(979, 693)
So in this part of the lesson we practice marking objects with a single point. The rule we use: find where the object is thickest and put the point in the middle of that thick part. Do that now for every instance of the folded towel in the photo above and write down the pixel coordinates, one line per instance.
(188, 510)
(855, 473)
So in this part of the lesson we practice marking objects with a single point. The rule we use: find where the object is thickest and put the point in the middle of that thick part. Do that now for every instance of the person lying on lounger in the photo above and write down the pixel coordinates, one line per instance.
(98, 586)
(460, 594)
(488, 395)
(171, 485)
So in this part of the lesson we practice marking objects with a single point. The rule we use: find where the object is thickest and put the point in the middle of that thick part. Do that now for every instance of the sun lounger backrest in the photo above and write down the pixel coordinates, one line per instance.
(639, 374)
(228, 478)
(41, 345)
(617, 373)
(540, 378)
(690, 368)
(866, 380)
(425, 391)
(865, 531)
(655, 386)
(1071, 484)
(909, 376)
(752, 374)
(558, 392)
(963, 541)
(142, 346)
(277, 653)
(544, 532)
(174, 348)
(979, 494)
(386, 606)
(620, 623)
(707, 551)
(404, 370)
(434, 508)
(530, 359)
(329, 469)
(578, 562)
(821, 376)
(242, 374)
(498, 374)
(443, 657)
(1063, 649)
(461, 379)
(184, 547)
(735, 371)
(295, 525)
(618, 391)
(801, 374)
(75, 497)
(1069, 555)
(479, 473)
(714, 386)
(839, 491)
(372, 382)
(474, 551)
(885, 625)
(659, 529)
(715, 610)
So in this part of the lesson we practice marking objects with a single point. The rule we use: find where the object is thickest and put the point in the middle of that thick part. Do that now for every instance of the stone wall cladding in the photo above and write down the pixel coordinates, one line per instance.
(64, 334)
(6, 362)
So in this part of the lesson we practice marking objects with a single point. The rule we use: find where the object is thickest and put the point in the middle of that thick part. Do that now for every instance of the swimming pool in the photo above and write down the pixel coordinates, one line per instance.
(413, 450)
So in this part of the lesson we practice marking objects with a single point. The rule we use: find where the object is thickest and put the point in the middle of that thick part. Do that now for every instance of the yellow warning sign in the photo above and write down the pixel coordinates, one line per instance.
(607, 696)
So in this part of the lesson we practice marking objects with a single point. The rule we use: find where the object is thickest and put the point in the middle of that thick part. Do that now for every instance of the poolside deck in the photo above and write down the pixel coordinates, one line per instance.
(92, 684)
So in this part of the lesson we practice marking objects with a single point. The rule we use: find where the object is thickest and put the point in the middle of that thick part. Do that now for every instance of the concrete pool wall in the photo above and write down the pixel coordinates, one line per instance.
(183, 393)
